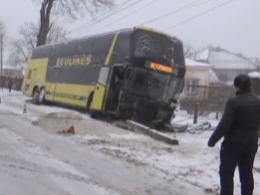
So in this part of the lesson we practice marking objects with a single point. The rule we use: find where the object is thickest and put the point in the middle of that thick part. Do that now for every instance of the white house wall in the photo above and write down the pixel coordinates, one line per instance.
(203, 74)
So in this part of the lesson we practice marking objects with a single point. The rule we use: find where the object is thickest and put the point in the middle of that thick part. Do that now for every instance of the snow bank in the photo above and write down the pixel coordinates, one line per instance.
(127, 136)
(191, 163)
(254, 75)
(182, 118)
(15, 101)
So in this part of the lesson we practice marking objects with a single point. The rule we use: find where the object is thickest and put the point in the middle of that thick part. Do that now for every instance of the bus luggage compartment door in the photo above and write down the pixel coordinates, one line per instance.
(100, 90)
(53, 83)
(32, 80)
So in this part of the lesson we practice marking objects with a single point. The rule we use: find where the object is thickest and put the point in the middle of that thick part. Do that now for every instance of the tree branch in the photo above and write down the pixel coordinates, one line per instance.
(2, 28)
(22, 48)
(73, 9)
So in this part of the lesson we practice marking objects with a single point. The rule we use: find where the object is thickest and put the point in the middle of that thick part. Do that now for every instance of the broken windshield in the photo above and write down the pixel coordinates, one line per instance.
(153, 84)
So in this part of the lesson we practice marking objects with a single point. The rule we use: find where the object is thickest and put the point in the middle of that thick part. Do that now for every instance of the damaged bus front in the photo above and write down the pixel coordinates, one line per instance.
(153, 79)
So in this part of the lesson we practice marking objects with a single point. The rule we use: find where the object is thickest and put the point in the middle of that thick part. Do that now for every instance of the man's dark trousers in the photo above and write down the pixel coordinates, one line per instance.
(239, 154)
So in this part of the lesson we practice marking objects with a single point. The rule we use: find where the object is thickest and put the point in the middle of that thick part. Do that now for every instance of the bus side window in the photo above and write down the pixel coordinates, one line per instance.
(29, 74)
(103, 75)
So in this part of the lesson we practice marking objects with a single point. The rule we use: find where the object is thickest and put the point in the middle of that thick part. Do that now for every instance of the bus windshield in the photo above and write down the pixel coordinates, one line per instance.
(156, 47)
(153, 84)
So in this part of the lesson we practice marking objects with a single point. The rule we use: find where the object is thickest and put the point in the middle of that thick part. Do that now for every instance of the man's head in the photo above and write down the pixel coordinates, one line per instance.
(242, 82)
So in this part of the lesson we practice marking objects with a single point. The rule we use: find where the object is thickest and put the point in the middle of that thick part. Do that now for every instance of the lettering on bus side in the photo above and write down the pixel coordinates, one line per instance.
(74, 61)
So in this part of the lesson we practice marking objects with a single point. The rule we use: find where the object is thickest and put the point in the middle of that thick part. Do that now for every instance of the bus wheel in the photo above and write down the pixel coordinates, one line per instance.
(89, 103)
(93, 114)
(41, 98)
(35, 96)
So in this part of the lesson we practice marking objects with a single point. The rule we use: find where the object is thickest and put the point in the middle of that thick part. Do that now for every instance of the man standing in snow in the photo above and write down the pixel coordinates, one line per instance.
(10, 83)
(239, 126)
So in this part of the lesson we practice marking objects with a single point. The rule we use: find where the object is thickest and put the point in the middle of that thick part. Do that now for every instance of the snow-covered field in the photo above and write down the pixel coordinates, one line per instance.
(190, 167)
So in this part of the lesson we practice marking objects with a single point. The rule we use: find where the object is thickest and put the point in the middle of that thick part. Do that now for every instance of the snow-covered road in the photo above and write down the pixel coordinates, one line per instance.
(36, 162)
(100, 159)
(26, 169)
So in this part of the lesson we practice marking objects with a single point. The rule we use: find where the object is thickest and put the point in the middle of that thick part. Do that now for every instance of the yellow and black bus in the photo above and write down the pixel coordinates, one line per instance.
(132, 73)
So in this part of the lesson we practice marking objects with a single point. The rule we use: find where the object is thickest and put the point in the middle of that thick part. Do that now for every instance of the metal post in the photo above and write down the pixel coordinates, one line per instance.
(196, 113)
(217, 115)
(1, 56)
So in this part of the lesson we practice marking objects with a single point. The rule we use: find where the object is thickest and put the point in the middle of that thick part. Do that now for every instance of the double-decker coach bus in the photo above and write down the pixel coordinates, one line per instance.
(132, 73)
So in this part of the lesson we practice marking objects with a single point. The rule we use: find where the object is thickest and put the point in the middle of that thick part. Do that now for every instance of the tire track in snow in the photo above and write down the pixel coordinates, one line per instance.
(20, 178)
(21, 164)
(24, 165)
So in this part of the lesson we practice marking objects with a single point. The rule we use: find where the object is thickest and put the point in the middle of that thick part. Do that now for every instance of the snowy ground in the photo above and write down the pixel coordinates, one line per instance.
(113, 158)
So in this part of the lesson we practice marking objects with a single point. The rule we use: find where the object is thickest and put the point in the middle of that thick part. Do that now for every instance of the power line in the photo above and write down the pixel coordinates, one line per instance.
(207, 1)
(85, 26)
(113, 9)
(198, 15)
(1, 56)
(172, 12)
(188, 6)
(121, 18)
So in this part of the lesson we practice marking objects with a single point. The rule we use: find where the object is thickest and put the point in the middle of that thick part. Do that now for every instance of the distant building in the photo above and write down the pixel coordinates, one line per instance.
(11, 71)
(225, 64)
(255, 79)
(200, 82)
(256, 61)
(198, 74)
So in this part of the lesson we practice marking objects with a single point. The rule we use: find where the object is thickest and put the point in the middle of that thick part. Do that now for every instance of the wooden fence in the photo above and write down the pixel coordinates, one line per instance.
(210, 98)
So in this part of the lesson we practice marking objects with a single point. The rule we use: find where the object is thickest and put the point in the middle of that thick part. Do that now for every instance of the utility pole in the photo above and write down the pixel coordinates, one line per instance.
(1, 56)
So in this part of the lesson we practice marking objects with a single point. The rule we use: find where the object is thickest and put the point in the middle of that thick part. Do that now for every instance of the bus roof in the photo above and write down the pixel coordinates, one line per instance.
(104, 40)
(114, 32)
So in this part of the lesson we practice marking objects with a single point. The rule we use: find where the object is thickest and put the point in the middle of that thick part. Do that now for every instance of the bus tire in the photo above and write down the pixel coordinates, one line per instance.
(89, 103)
(93, 114)
(41, 98)
(35, 96)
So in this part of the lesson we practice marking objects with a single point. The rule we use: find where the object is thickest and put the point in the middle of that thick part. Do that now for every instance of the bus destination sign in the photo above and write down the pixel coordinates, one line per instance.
(160, 67)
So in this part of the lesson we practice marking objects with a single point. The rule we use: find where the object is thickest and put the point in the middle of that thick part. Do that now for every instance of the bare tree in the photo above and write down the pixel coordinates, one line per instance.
(2, 34)
(73, 9)
(21, 49)
(2, 28)
(2, 42)
(188, 51)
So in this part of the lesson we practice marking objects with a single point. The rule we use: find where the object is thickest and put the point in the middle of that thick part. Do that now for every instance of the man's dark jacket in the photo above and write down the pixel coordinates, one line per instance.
(240, 121)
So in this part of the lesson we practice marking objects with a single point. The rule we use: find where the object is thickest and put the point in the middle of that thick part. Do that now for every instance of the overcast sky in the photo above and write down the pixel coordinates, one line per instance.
(234, 26)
